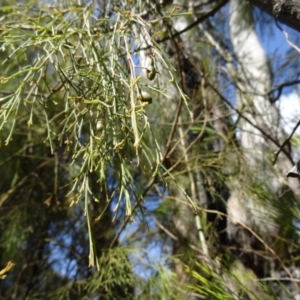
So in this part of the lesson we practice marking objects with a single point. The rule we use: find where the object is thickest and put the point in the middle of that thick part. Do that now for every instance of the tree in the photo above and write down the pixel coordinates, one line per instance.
(287, 12)
(143, 112)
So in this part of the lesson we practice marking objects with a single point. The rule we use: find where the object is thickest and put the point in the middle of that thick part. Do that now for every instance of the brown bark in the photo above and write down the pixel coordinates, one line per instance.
(285, 11)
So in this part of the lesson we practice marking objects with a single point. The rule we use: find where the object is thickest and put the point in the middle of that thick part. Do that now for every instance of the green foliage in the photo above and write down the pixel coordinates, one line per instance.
(73, 131)
(93, 139)
(77, 88)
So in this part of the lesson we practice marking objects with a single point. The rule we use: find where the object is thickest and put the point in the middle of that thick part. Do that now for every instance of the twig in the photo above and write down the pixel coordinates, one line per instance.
(163, 228)
(195, 23)
(285, 142)
(277, 279)
(279, 89)
(287, 38)
(136, 205)
(251, 123)
(189, 27)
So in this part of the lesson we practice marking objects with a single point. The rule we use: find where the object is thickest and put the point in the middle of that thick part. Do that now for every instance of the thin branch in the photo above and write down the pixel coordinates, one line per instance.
(164, 229)
(135, 206)
(280, 87)
(288, 155)
(189, 27)
(154, 179)
(287, 38)
(285, 142)
(197, 22)
(277, 279)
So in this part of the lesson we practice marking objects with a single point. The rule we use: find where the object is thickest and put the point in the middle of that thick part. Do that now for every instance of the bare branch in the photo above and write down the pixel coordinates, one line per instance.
(287, 11)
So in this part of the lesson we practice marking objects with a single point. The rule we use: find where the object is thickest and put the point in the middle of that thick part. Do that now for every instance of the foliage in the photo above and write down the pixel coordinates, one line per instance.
(119, 139)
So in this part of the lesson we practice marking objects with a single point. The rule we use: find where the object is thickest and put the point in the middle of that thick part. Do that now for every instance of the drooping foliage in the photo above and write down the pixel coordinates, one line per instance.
(137, 153)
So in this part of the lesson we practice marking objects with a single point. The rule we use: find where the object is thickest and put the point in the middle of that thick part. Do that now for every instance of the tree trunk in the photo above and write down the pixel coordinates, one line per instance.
(254, 216)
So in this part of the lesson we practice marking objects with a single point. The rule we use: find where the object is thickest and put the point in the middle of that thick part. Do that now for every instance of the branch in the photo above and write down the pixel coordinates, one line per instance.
(288, 155)
(285, 142)
(287, 11)
(278, 88)
(197, 22)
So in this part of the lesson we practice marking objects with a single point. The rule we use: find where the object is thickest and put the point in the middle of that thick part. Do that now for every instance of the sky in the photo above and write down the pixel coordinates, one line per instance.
(289, 105)
(276, 46)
